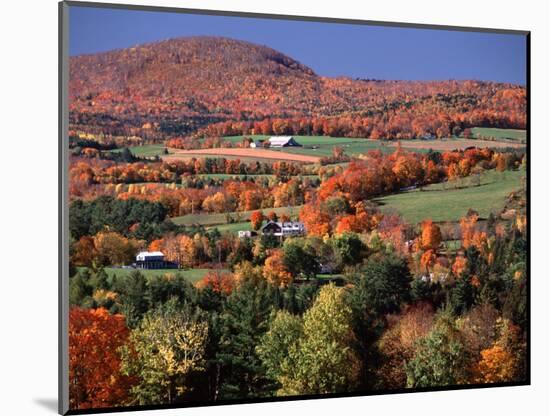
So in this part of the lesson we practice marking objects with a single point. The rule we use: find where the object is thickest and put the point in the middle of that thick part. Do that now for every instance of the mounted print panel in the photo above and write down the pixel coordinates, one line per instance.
(263, 208)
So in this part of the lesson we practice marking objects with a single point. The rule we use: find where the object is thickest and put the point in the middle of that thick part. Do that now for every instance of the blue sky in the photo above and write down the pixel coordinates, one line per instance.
(330, 49)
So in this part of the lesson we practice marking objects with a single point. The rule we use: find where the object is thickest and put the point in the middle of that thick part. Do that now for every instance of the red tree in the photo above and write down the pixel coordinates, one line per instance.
(94, 362)
(256, 219)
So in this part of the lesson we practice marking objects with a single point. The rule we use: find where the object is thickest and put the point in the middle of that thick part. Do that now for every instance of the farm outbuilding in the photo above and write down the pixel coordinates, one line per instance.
(257, 144)
(247, 233)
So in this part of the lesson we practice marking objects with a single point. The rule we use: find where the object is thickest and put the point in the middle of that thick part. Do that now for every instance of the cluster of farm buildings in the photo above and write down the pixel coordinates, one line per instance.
(157, 260)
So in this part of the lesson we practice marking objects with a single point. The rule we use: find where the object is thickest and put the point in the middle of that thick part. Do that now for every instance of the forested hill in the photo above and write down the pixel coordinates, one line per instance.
(176, 86)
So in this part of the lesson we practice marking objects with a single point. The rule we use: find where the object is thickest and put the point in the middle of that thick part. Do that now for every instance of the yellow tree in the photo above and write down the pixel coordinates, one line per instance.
(187, 251)
(315, 357)
(113, 248)
(163, 351)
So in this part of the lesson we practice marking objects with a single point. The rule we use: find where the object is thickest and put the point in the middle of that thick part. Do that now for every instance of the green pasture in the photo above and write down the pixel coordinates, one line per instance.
(509, 134)
(209, 220)
(321, 146)
(442, 202)
(148, 150)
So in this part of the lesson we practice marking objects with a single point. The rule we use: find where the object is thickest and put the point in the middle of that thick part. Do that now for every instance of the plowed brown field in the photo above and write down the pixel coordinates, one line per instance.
(241, 152)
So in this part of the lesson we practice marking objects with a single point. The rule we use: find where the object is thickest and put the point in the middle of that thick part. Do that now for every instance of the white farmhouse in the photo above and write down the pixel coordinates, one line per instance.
(283, 229)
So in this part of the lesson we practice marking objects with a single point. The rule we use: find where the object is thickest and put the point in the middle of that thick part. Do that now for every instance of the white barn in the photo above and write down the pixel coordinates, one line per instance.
(283, 141)
(150, 256)
(277, 141)
(151, 260)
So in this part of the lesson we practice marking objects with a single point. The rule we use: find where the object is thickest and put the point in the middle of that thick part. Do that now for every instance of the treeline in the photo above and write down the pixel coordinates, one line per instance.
(406, 122)
(131, 217)
(375, 175)
(84, 172)
(193, 194)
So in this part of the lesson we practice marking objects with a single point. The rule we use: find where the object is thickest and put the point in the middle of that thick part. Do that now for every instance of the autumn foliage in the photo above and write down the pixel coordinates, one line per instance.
(274, 270)
(94, 362)
(362, 300)
(256, 219)
(218, 281)
(431, 235)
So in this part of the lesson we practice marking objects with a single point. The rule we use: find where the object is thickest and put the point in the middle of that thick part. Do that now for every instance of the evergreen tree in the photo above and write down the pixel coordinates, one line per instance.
(461, 296)
(290, 302)
(381, 286)
(134, 296)
(300, 260)
(244, 320)
(348, 248)
(80, 287)
(515, 306)
(160, 289)
(100, 280)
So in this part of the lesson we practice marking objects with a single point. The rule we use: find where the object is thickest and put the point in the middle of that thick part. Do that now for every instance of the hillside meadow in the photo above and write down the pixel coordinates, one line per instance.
(442, 202)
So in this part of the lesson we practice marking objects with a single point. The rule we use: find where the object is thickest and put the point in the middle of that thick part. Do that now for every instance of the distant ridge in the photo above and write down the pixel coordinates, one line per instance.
(180, 85)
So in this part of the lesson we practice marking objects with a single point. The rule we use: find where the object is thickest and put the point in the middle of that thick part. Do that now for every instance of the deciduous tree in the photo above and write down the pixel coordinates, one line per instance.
(256, 219)
(166, 348)
(95, 380)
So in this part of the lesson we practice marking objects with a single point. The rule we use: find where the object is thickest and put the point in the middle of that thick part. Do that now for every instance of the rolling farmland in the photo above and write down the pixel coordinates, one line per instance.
(209, 220)
(322, 146)
(506, 134)
(248, 153)
(441, 202)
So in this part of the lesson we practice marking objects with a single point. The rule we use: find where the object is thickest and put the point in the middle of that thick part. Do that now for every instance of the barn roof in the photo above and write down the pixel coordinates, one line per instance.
(280, 139)
(150, 253)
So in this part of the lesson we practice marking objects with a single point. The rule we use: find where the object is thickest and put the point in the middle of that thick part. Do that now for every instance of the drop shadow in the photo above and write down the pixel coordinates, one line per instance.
(48, 404)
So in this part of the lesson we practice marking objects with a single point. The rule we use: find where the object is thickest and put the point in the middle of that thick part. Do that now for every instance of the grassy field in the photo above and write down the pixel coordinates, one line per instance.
(304, 140)
(233, 227)
(510, 134)
(321, 146)
(192, 275)
(148, 150)
(442, 203)
(220, 219)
